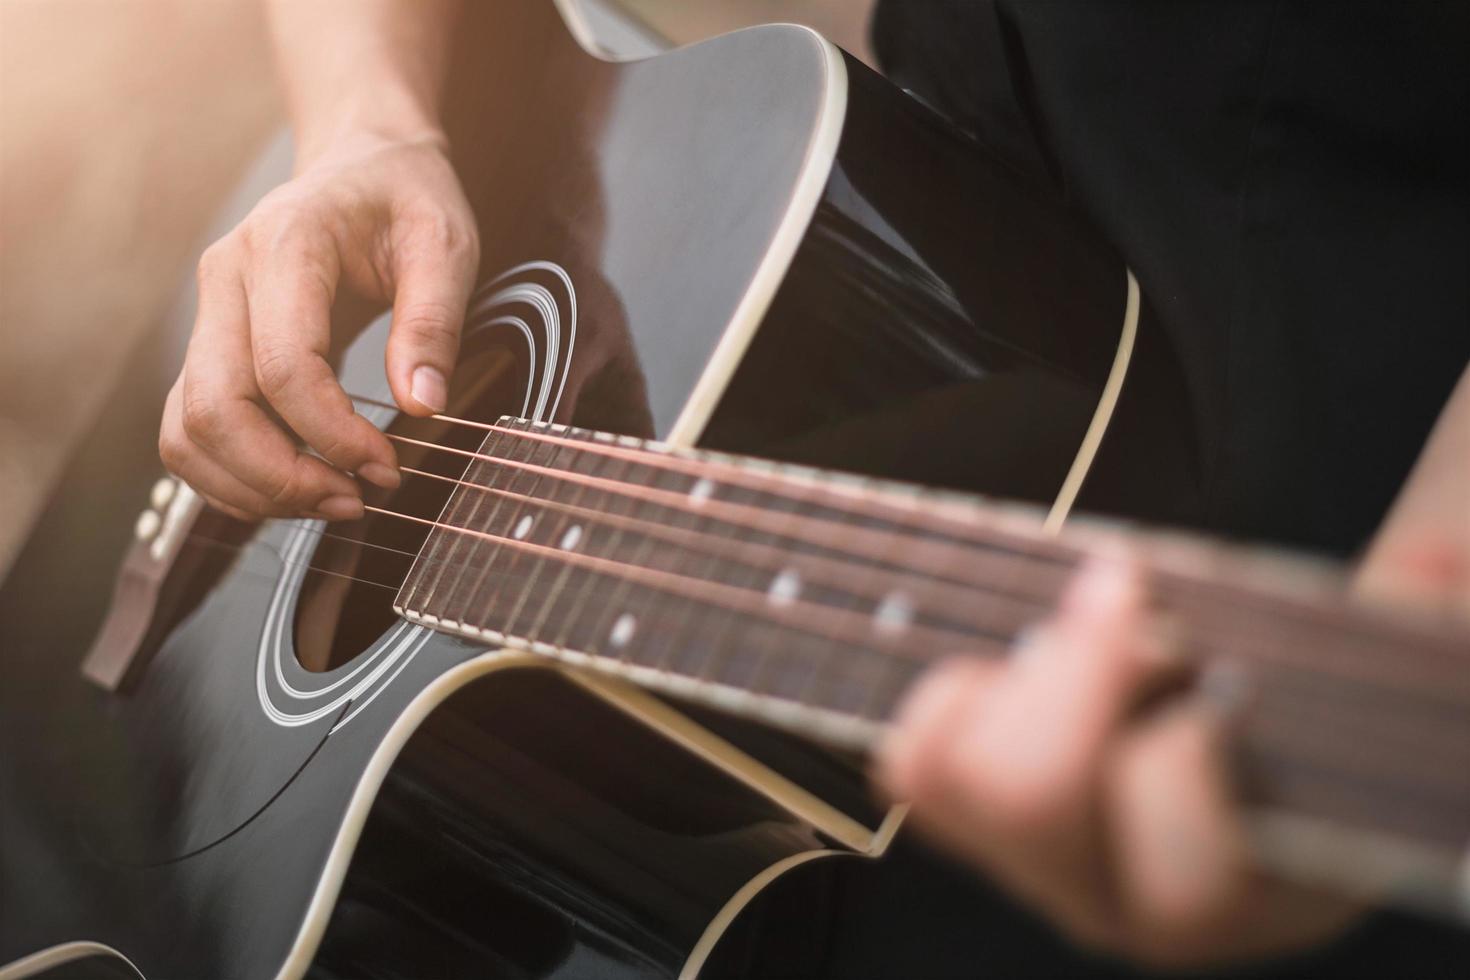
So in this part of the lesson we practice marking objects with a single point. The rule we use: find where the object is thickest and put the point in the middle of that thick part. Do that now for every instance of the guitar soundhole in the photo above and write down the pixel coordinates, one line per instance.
(346, 600)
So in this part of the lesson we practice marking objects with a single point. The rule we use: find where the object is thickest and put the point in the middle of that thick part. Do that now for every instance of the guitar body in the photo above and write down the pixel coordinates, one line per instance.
(752, 244)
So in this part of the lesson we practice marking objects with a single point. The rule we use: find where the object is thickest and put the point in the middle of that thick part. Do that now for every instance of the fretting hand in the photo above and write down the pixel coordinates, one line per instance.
(1122, 827)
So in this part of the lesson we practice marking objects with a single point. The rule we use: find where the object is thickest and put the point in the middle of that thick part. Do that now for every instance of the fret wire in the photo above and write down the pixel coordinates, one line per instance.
(1311, 691)
(627, 583)
(524, 582)
(1187, 587)
(462, 517)
(831, 530)
(732, 627)
(882, 667)
(1304, 609)
(679, 644)
(650, 619)
(976, 519)
(900, 511)
(809, 690)
(812, 567)
(587, 537)
(666, 630)
(443, 551)
(593, 644)
(507, 575)
(483, 578)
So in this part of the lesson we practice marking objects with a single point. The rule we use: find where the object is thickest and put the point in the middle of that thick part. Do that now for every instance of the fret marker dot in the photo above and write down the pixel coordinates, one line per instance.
(523, 527)
(785, 588)
(894, 613)
(570, 539)
(701, 491)
(622, 630)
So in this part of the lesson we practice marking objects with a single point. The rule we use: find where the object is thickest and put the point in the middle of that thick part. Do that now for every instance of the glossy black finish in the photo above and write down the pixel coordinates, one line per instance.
(528, 830)
(904, 325)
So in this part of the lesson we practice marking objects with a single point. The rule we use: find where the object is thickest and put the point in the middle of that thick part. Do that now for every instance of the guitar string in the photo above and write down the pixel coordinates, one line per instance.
(1298, 697)
(752, 517)
(1310, 694)
(940, 635)
(930, 513)
(1293, 712)
(843, 575)
(1367, 659)
(1005, 533)
(1306, 614)
(829, 535)
(715, 593)
(644, 455)
(1286, 688)
(459, 530)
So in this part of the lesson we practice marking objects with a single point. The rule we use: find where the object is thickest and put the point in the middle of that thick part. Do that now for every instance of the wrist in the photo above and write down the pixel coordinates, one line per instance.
(361, 125)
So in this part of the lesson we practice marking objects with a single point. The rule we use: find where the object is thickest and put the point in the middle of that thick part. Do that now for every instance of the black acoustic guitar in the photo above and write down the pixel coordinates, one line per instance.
(572, 698)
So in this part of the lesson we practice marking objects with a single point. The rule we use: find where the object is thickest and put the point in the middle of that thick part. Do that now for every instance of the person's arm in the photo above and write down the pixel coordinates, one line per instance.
(374, 207)
(1122, 829)
(1421, 554)
(370, 68)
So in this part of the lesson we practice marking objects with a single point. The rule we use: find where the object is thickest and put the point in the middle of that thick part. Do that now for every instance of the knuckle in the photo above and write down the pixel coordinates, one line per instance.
(214, 262)
(428, 323)
(280, 223)
(339, 450)
(203, 415)
(172, 452)
(275, 366)
(285, 488)
(441, 236)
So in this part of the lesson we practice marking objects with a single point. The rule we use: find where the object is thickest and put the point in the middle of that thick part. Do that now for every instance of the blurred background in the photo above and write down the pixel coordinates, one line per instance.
(124, 127)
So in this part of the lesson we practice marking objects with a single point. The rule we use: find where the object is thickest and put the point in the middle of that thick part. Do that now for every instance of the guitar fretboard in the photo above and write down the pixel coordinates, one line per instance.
(723, 578)
(813, 600)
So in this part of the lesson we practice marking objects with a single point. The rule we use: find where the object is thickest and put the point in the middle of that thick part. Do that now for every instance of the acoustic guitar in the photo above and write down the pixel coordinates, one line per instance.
(755, 331)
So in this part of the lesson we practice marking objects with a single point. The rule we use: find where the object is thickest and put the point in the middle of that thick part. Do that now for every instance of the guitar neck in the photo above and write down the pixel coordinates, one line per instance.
(812, 601)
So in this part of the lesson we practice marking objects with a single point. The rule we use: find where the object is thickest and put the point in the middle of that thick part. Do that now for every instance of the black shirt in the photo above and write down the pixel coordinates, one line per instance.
(1288, 183)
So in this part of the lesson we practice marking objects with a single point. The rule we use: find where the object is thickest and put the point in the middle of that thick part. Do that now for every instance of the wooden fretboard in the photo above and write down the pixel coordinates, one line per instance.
(812, 601)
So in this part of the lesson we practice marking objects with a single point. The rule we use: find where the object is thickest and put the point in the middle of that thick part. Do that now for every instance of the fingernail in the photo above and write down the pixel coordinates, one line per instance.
(380, 474)
(340, 508)
(428, 388)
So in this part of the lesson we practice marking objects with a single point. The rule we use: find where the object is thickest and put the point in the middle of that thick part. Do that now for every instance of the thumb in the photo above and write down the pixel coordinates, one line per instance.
(428, 314)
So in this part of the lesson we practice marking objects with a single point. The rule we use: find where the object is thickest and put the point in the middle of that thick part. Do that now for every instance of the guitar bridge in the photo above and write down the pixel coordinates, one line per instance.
(113, 662)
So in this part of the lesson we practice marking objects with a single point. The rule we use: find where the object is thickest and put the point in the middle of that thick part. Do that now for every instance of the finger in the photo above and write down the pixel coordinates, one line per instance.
(434, 272)
(289, 295)
(221, 419)
(1080, 674)
(1187, 887)
(1179, 853)
(220, 488)
(905, 761)
(1024, 764)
